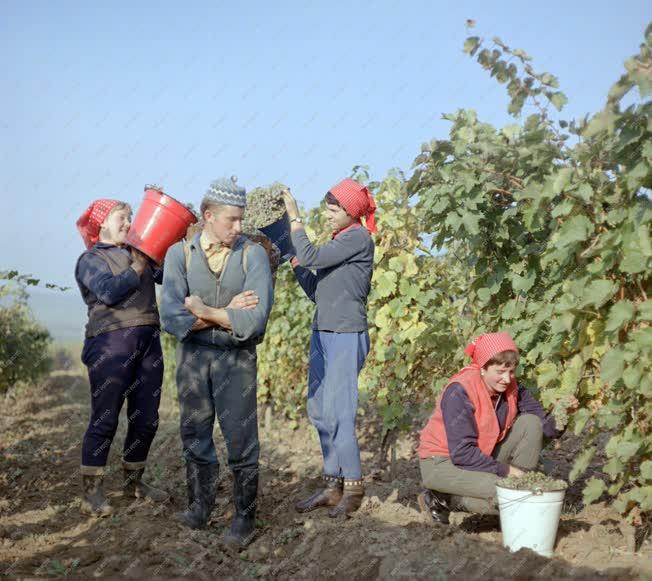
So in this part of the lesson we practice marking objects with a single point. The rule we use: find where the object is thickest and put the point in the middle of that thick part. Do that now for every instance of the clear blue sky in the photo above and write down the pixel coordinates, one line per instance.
(100, 98)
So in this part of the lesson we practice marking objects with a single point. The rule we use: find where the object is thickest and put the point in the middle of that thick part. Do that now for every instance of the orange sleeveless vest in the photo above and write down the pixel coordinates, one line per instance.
(433, 441)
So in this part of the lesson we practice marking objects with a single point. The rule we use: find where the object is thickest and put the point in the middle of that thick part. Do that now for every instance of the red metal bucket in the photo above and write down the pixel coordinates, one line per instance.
(159, 223)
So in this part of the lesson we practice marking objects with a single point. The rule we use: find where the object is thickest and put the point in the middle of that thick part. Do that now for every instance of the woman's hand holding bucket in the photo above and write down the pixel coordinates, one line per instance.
(291, 206)
(140, 260)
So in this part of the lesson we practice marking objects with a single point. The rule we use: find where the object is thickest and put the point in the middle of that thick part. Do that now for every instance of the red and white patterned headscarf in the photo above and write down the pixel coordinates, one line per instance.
(90, 221)
(357, 201)
(486, 346)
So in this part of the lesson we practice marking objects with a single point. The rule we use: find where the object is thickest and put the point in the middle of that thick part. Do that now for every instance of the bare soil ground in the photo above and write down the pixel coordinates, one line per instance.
(42, 533)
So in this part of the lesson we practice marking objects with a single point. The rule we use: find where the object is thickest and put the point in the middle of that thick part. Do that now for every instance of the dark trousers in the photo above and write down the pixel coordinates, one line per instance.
(122, 364)
(214, 382)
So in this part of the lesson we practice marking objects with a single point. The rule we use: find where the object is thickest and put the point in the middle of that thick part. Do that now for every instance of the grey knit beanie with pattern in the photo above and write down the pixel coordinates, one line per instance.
(225, 191)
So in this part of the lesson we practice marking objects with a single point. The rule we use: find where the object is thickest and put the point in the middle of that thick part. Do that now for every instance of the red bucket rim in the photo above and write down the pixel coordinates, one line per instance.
(180, 204)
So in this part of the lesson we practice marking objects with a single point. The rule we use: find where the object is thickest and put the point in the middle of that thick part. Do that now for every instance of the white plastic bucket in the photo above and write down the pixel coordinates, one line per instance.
(529, 518)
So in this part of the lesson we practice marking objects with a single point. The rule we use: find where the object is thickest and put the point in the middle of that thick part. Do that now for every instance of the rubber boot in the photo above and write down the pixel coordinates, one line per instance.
(352, 495)
(201, 481)
(243, 526)
(436, 506)
(134, 486)
(329, 495)
(94, 502)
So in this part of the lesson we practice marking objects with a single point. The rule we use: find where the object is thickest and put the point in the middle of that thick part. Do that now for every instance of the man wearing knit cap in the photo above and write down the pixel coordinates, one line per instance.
(485, 426)
(339, 345)
(216, 299)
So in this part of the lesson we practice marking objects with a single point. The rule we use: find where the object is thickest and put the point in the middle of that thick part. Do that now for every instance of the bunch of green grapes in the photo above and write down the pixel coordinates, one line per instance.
(532, 481)
(264, 206)
(560, 411)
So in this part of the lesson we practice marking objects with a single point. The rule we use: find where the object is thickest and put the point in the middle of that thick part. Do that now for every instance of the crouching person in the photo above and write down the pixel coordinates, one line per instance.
(216, 299)
(122, 351)
(485, 426)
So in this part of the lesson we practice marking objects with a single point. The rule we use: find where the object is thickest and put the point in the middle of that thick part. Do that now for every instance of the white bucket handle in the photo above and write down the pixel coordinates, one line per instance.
(509, 503)
(536, 492)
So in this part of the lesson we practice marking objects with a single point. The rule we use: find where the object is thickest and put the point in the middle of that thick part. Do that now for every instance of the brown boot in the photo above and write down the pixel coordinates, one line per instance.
(135, 487)
(93, 500)
(330, 495)
(351, 499)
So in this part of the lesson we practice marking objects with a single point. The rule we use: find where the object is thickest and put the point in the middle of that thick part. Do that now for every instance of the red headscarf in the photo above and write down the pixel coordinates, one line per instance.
(357, 201)
(90, 221)
(486, 346)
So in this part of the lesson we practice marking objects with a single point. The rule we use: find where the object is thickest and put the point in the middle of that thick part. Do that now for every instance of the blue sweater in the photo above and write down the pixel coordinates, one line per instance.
(116, 296)
(342, 281)
(95, 274)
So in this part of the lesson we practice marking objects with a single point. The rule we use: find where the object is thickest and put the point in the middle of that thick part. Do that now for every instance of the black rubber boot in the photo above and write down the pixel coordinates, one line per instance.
(202, 489)
(243, 527)
(94, 502)
(134, 486)
(436, 506)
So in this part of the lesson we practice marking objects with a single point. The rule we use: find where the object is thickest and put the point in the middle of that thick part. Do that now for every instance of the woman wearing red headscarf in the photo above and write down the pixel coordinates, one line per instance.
(340, 342)
(485, 426)
(122, 351)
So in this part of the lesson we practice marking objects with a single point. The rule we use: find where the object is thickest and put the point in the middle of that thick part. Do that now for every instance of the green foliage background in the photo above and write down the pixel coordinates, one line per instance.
(553, 221)
(25, 345)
